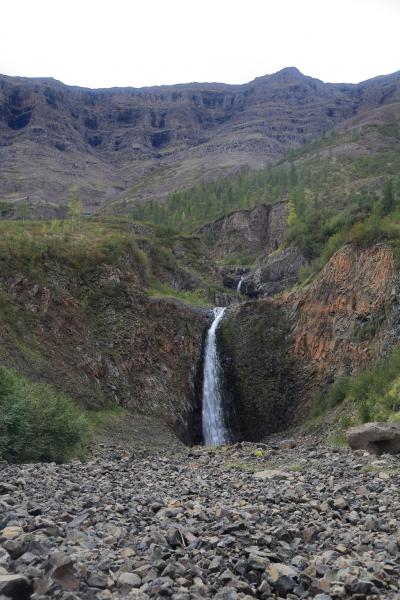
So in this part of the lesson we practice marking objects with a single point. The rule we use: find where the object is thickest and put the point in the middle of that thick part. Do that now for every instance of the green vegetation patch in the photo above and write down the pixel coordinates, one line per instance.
(197, 297)
(37, 423)
(187, 210)
(374, 392)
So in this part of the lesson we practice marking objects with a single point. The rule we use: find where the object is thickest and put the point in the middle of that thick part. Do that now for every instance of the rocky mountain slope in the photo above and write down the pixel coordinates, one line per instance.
(144, 143)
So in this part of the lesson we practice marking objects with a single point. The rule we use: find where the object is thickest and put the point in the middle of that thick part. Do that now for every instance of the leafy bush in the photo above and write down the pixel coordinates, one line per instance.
(375, 391)
(324, 401)
(36, 423)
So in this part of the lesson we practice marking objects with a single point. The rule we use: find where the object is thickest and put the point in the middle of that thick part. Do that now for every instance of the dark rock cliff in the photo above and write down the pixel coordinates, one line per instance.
(262, 380)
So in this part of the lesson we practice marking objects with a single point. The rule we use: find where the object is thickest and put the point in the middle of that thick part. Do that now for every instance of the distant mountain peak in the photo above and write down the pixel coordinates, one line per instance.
(287, 74)
(290, 71)
(126, 144)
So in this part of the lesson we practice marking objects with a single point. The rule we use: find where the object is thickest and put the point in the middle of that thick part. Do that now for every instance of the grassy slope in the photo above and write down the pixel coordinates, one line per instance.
(167, 264)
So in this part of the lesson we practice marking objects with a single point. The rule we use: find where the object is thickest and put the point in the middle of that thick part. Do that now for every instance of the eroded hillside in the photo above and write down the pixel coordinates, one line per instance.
(140, 144)
(112, 314)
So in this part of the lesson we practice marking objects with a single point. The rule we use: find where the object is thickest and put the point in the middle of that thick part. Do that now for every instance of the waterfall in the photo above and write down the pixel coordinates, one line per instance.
(214, 428)
(239, 287)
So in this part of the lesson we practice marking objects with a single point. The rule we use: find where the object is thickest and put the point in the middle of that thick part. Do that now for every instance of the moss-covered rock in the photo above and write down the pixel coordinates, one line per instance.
(260, 377)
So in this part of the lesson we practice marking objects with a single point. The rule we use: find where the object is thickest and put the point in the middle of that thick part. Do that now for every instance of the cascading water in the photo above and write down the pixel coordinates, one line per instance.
(214, 428)
(239, 287)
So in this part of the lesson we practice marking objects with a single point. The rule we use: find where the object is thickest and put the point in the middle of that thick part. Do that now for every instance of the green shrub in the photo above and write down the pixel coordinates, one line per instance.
(36, 423)
(338, 392)
(197, 297)
(375, 392)
(323, 401)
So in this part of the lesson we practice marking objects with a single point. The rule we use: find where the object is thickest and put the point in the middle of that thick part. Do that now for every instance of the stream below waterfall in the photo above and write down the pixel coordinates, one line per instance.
(214, 427)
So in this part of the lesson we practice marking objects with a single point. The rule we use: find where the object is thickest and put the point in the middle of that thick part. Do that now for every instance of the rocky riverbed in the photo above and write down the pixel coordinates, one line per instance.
(278, 520)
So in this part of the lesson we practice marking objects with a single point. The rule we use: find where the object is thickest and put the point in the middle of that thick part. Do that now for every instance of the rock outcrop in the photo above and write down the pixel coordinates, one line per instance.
(347, 316)
(144, 143)
(277, 352)
(376, 438)
(262, 380)
(244, 234)
(274, 273)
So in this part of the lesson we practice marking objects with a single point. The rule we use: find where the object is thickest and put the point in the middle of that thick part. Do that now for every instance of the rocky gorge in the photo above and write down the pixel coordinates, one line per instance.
(200, 355)
(101, 333)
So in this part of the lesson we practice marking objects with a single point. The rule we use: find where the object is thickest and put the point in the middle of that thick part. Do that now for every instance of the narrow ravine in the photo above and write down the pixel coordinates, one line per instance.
(214, 428)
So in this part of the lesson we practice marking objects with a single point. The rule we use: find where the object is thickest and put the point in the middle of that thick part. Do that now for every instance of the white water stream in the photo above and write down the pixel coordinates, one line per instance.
(214, 428)
(239, 287)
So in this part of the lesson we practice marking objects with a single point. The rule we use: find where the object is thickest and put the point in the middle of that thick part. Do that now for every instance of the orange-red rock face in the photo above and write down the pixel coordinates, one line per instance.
(351, 293)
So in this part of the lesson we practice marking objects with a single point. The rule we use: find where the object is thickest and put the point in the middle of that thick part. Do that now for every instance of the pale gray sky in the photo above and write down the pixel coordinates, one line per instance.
(103, 43)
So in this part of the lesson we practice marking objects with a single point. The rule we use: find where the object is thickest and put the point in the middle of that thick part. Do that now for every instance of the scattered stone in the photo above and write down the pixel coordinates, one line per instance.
(10, 533)
(16, 587)
(130, 579)
(277, 570)
(129, 527)
(272, 474)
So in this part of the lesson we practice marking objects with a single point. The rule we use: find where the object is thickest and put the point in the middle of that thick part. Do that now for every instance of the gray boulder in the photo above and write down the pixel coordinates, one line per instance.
(376, 438)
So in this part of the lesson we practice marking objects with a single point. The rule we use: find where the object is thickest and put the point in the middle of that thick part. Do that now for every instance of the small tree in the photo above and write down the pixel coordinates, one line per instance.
(75, 207)
(388, 202)
(23, 211)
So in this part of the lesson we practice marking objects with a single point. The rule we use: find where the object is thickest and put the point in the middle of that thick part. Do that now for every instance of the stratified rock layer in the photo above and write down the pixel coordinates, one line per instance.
(144, 143)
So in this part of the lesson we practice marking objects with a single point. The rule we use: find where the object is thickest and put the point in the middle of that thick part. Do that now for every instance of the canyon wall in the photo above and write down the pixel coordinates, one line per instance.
(87, 324)
(278, 352)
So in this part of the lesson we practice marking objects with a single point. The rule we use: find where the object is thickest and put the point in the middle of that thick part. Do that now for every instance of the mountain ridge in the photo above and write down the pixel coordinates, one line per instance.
(285, 70)
(136, 144)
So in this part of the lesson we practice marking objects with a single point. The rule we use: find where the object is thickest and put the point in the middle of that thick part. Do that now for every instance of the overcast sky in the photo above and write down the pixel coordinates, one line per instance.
(103, 43)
